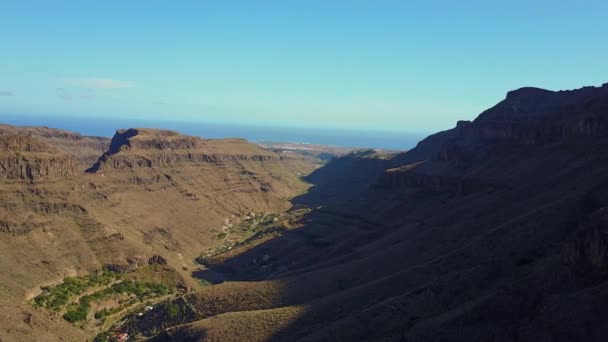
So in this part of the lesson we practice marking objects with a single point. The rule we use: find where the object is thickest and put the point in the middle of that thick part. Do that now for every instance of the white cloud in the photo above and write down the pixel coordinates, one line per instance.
(98, 83)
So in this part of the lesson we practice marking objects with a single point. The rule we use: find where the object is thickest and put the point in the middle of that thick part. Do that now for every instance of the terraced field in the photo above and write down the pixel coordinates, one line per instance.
(99, 301)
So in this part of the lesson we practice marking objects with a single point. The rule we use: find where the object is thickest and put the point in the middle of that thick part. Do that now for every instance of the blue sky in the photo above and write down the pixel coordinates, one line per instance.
(385, 65)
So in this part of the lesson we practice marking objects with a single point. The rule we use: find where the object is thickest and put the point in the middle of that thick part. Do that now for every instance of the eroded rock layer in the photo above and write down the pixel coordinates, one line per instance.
(491, 231)
(154, 196)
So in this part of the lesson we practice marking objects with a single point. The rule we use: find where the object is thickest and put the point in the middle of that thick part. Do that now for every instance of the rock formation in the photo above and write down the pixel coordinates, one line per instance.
(146, 148)
(23, 157)
(155, 197)
(493, 230)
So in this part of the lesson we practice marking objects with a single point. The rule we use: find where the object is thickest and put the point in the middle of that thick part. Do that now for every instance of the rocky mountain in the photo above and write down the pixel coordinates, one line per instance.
(85, 149)
(494, 230)
(151, 195)
(491, 231)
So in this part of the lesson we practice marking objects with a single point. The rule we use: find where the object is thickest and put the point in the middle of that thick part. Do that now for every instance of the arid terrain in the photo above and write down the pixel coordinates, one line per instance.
(495, 230)
(153, 197)
(322, 152)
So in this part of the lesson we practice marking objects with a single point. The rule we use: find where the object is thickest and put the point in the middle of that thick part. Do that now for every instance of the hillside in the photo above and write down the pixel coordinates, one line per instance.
(153, 197)
(491, 231)
(84, 148)
(494, 230)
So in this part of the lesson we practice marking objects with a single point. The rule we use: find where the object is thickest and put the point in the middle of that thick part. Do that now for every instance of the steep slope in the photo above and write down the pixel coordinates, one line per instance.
(24, 158)
(492, 231)
(84, 148)
(169, 191)
(153, 197)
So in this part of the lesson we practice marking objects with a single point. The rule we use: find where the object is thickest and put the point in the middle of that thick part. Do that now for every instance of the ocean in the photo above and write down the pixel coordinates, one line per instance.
(253, 133)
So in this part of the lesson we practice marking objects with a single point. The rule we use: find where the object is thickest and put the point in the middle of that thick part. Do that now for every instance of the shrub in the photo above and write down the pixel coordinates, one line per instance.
(103, 337)
(172, 309)
(58, 296)
(101, 314)
(204, 282)
(75, 315)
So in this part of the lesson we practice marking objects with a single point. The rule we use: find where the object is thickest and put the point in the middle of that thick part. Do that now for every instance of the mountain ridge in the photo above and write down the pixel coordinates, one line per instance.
(481, 232)
(58, 222)
(493, 230)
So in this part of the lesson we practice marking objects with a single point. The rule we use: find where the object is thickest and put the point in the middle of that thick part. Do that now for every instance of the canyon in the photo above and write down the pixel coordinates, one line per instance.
(151, 193)
(494, 230)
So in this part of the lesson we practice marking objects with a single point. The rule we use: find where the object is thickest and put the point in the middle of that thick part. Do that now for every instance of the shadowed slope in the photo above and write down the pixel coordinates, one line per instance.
(491, 231)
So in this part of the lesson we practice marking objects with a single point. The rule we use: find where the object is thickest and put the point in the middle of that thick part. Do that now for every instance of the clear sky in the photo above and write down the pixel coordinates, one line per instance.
(398, 65)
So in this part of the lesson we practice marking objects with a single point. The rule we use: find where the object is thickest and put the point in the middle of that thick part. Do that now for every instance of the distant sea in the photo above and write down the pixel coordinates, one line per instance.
(253, 133)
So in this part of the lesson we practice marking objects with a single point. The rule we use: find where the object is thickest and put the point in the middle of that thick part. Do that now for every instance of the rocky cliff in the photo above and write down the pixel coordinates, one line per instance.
(527, 119)
(23, 157)
(41, 153)
(491, 231)
(146, 148)
(152, 195)
(538, 116)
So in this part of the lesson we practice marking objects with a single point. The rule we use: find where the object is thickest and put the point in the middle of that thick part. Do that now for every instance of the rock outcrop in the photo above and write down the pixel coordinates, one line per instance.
(147, 148)
(24, 157)
(494, 230)
(41, 153)
(587, 251)
(528, 118)
(156, 201)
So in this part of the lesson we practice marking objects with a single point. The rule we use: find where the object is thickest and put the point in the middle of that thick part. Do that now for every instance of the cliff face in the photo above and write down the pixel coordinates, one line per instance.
(528, 119)
(537, 116)
(36, 153)
(151, 193)
(147, 148)
(151, 139)
(36, 167)
(494, 230)
(23, 157)
(529, 116)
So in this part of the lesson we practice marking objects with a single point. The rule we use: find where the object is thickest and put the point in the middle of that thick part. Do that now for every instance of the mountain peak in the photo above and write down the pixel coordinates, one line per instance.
(527, 93)
(151, 139)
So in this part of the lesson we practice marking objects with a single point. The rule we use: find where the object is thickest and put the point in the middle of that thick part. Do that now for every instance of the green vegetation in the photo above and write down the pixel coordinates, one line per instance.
(57, 297)
(261, 234)
(204, 282)
(173, 309)
(253, 227)
(103, 337)
(259, 222)
(102, 314)
(79, 312)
